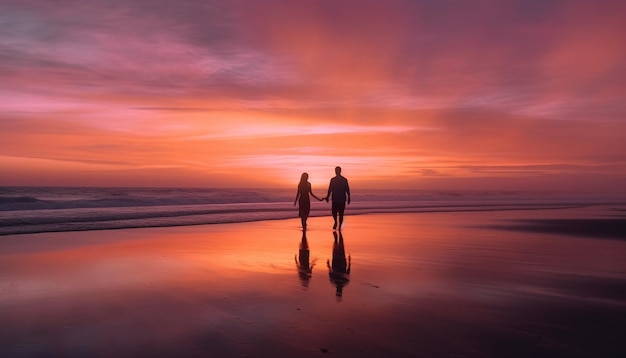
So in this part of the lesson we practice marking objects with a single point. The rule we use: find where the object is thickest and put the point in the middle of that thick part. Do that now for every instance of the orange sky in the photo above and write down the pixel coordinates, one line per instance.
(403, 94)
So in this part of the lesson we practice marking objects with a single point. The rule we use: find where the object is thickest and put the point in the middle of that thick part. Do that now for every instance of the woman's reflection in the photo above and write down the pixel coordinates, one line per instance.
(339, 271)
(305, 268)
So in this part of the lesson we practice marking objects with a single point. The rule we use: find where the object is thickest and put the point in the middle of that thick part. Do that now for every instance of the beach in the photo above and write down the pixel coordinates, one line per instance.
(491, 283)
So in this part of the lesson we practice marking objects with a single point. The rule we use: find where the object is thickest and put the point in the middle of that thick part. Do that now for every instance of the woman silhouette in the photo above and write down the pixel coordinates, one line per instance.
(304, 205)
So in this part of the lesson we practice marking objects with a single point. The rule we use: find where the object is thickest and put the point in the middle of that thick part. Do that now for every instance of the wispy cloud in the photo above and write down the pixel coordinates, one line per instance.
(397, 91)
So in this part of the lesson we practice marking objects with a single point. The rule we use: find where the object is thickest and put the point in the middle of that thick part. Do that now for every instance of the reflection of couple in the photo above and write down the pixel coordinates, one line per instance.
(339, 189)
(338, 268)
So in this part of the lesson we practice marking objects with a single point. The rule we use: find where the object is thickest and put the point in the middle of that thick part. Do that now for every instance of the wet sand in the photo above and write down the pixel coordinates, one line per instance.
(528, 283)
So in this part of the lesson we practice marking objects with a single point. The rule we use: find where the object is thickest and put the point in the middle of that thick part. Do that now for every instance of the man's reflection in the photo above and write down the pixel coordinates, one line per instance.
(339, 270)
(305, 268)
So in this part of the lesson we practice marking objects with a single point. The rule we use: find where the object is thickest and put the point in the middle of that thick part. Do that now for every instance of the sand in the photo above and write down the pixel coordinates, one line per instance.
(467, 284)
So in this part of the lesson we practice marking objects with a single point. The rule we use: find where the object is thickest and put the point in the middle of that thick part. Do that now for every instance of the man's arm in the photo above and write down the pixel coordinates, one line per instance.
(348, 191)
(330, 189)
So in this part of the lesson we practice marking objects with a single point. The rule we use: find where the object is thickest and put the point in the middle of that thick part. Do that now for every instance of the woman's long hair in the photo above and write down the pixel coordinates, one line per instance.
(303, 181)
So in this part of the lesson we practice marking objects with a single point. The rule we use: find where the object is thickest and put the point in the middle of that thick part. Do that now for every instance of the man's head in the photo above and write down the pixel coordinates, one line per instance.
(338, 170)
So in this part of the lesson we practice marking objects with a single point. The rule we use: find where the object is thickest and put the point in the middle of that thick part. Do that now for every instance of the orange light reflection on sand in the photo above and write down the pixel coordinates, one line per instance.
(175, 289)
(166, 259)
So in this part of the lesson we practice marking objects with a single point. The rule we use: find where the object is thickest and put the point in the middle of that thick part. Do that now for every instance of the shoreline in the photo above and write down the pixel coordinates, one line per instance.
(149, 222)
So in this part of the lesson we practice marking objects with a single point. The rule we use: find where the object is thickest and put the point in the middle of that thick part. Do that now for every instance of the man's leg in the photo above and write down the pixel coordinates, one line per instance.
(335, 212)
(340, 210)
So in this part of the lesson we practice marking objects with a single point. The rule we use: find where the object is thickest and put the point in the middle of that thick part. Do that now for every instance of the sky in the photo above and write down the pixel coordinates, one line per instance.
(415, 94)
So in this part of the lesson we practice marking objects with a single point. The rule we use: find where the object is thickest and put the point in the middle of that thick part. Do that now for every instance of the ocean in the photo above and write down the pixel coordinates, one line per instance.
(52, 209)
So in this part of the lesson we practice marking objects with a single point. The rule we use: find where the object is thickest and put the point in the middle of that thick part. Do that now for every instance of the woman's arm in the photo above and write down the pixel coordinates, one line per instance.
(315, 196)
(296, 199)
(311, 192)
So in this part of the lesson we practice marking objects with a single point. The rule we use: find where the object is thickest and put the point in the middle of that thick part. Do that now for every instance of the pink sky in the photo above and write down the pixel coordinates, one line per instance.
(415, 94)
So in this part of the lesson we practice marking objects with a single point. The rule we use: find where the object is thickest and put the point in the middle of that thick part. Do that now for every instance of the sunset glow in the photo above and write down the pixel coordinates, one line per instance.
(516, 95)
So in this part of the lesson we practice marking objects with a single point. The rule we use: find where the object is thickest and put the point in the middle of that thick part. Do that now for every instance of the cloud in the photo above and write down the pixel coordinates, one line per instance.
(423, 88)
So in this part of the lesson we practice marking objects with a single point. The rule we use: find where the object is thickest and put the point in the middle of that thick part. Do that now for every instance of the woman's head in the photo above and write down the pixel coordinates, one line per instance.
(304, 177)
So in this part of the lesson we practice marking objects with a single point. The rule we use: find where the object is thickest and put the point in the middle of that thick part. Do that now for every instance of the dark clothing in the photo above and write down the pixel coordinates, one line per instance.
(339, 187)
(304, 204)
(338, 207)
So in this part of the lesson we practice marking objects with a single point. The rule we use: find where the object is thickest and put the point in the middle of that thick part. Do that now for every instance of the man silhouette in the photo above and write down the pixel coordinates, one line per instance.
(341, 191)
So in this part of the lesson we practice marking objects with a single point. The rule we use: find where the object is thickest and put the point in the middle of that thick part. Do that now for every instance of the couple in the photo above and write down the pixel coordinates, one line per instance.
(338, 187)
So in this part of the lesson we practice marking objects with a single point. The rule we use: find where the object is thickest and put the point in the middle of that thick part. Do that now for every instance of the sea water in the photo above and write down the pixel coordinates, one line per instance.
(48, 209)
